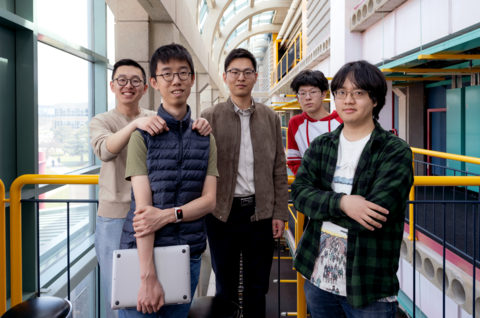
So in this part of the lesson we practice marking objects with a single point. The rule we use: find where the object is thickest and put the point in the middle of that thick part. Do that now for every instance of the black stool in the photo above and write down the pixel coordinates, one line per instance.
(213, 307)
(400, 313)
(43, 307)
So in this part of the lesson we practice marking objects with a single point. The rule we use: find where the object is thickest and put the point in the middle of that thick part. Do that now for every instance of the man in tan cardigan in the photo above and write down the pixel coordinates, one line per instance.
(252, 194)
(110, 133)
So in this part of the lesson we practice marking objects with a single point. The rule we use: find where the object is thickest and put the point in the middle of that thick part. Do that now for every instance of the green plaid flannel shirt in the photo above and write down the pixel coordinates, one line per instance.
(384, 176)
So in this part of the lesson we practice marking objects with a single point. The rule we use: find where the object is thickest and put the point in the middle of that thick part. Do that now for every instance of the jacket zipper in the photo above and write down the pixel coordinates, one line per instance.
(180, 142)
(233, 160)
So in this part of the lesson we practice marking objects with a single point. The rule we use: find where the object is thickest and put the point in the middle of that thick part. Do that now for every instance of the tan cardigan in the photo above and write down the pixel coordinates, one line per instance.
(270, 171)
(115, 192)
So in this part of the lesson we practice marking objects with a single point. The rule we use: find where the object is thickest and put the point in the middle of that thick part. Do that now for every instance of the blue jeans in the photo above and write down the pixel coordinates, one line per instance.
(107, 239)
(322, 304)
(172, 311)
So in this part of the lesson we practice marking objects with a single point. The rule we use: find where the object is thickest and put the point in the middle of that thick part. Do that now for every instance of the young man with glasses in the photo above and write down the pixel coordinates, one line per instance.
(311, 88)
(252, 195)
(353, 183)
(174, 179)
(109, 134)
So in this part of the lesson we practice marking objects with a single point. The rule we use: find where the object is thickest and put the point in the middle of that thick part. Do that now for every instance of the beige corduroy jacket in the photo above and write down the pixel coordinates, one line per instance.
(270, 172)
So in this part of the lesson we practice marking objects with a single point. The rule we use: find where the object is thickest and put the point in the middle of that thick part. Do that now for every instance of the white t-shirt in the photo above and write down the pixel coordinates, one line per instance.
(331, 262)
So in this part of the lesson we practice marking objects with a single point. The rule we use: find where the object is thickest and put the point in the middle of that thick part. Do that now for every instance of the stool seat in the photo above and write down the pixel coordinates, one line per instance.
(400, 313)
(213, 307)
(43, 307)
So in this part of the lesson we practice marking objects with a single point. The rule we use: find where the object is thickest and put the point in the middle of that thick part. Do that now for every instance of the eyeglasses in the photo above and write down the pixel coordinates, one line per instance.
(168, 77)
(356, 94)
(248, 74)
(303, 95)
(122, 81)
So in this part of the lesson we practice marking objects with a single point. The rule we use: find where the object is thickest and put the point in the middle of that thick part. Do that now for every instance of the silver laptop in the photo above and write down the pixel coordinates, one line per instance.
(172, 264)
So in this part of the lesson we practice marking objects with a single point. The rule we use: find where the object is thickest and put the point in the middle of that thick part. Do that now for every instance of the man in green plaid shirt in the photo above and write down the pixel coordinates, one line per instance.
(353, 184)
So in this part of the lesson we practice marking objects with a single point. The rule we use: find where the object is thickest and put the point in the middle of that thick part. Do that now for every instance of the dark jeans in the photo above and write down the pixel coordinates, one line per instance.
(255, 241)
(322, 304)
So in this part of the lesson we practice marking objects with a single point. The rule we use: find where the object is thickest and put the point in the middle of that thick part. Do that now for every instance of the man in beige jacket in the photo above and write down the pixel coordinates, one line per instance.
(110, 133)
(252, 194)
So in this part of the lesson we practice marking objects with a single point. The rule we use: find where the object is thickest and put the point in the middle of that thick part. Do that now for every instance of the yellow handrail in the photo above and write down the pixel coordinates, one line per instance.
(445, 155)
(16, 221)
(285, 55)
(3, 252)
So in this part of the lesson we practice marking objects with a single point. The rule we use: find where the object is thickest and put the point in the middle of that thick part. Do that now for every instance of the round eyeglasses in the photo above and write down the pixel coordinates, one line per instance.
(248, 73)
(122, 81)
(356, 94)
(312, 94)
(168, 77)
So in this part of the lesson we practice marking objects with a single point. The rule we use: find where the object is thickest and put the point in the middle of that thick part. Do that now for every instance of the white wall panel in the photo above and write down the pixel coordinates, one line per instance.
(385, 116)
(324, 67)
(379, 40)
(407, 24)
(428, 296)
(465, 13)
(435, 19)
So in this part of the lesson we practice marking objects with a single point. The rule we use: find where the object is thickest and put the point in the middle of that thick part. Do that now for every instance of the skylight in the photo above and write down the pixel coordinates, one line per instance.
(235, 7)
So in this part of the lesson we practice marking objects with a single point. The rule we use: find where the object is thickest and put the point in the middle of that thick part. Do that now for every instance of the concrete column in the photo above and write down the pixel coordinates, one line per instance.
(132, 37)
(194, 101)
(416, 112)
(208, 98)
(412, 112)
(345, 46)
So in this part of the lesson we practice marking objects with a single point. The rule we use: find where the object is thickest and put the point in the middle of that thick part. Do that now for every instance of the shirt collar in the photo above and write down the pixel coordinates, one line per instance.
(236, 109)
(377, 138)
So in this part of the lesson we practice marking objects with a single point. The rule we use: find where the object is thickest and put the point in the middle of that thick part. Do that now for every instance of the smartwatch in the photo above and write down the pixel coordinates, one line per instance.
(178, 215)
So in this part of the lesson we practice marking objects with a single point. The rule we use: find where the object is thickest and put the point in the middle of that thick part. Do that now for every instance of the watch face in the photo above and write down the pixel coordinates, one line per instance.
(179, 214)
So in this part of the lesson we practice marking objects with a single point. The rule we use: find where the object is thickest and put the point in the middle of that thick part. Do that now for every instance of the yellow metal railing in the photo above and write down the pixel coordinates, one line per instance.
(3, 252)
(16, 226)
(418, 181)
(274, 76)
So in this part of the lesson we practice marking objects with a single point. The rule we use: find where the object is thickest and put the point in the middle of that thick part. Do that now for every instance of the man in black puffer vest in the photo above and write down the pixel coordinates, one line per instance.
(172, 173)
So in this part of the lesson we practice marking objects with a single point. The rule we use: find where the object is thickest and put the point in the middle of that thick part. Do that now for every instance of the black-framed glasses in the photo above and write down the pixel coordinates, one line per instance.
(168, 77)
(356, 94)
(248, 73)
(303, 95)
(122, 81)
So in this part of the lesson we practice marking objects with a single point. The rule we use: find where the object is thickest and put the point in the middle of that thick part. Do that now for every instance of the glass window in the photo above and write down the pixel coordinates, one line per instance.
(233, 9)
(53, 229)
(65, 148)
(71, 20)
(203, 15)
(110, 36)
(110, 95)
(263, 18)
(241, 28)
(83, 297)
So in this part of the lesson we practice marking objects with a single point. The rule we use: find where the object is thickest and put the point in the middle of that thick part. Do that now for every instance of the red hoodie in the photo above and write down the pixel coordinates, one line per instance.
(302, 129)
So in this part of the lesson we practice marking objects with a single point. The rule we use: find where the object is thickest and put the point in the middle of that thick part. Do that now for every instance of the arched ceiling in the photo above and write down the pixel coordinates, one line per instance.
(266, 28)
(217, 37)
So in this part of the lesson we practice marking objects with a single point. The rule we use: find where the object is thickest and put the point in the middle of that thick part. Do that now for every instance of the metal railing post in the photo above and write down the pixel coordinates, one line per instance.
(16, 222)
(3, 252)
(301, 301)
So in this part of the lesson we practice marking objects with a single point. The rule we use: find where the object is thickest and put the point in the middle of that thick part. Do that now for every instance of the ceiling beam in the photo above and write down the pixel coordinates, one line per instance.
(414, 79)
(449, 57)
(430, 70)
(211, 4)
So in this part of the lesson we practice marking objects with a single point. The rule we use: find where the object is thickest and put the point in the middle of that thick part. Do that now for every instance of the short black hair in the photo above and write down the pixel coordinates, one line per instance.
(169, 52)
(364, 76)
(129, 62)
(238, 54)
(309, 78)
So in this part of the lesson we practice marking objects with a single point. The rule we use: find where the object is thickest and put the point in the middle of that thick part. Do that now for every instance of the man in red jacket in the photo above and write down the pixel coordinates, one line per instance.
(311, 88)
